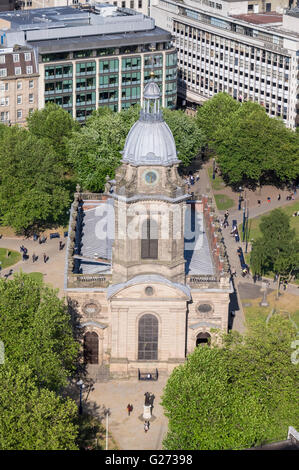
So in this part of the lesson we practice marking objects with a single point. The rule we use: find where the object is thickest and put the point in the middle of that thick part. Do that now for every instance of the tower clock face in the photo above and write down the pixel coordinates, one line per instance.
(151, 177)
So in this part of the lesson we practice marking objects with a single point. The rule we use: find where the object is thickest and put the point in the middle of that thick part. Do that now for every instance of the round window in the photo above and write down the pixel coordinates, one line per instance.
(91, 309)
(204, 308)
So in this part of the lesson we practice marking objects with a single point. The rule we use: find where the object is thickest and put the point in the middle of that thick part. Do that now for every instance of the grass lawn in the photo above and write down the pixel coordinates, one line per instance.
(218, 182)
(223, 202)
(13, 257)
(253, 224)
(254, 230)
(286, 304)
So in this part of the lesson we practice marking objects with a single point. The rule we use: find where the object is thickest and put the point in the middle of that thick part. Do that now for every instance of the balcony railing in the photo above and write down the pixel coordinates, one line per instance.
(88, 280)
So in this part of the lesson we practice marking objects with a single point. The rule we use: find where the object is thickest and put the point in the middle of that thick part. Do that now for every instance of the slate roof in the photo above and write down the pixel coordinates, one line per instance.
(97, 235)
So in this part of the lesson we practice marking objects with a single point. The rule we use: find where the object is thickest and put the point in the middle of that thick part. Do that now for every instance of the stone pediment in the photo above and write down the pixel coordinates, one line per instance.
(149, 287)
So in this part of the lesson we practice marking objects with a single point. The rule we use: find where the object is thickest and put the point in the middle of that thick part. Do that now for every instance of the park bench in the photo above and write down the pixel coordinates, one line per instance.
(148, 375)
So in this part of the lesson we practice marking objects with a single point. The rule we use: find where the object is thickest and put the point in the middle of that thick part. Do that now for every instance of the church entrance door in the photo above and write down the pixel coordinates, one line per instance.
(203, 339)
(91, 348)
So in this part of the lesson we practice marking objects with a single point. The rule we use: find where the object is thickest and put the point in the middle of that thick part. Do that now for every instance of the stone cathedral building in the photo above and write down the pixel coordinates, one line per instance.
(146, 270)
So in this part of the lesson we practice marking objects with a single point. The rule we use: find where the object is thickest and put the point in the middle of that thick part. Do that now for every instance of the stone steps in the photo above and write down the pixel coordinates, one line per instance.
(99, 373)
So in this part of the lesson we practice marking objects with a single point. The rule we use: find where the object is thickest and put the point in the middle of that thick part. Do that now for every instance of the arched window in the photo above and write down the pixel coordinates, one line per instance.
(148, 338)
(91, 348)
(203, 339)
(149, 239)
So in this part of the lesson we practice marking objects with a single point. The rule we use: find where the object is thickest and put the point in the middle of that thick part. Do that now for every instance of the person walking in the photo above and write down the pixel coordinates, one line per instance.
(146, 426)
(33, 257)
(129, 408)
(45, 257)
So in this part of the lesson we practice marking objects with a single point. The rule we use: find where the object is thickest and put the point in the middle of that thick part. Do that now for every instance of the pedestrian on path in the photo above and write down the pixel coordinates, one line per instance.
(33, 257)
(130, 409)
(146, 426)
(45, 258)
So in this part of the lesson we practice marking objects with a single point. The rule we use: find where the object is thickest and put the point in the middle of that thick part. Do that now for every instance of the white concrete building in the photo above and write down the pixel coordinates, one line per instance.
(142, 6)
(223, 46)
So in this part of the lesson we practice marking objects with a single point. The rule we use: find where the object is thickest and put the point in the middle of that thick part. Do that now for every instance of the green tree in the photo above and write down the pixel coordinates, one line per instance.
(253, 148)
(33, 418)
(55, 125)
(214, 115)
(94, 151)
(35, 329)
(32, 184)
(277, 250)
(237, 396)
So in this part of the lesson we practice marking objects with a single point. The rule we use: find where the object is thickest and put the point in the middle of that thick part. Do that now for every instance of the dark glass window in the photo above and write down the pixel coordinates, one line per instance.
(148, 338)
(149, 240)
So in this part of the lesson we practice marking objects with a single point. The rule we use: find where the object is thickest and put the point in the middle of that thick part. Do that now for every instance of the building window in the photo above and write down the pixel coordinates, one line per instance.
(31, 98)
(123, 4)
(149, 240)
(19, 114)
(31, 84)
(4, 101)
(132, 4)
(19, 99)
(139, 3)
(4, 116)
(29, 69)
(19, 85)
(148, 338)
(16, 57)
(3, 86)
(27, 56)
(2, 59)
(18, 71)
(3, 72)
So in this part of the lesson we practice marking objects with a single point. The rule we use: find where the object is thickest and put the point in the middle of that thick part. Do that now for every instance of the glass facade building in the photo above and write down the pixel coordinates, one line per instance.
(82, 81)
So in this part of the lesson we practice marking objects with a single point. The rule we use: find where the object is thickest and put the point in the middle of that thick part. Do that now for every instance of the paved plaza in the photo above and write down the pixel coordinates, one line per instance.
(53, 269)
(127, 431)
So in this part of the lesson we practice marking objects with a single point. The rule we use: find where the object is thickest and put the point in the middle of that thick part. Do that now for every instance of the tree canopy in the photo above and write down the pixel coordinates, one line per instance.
(251, 148)
(32, 184)
(33, 418)
(237, 396)
(35, 329)
(94, 151)
(277, 250)
(55, 125)
(39, 356)
(215, 114)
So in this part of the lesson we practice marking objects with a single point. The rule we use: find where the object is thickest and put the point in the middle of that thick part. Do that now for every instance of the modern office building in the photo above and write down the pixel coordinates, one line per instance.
(100, 56)
(18, 84)
(236, 48)
(141, 6)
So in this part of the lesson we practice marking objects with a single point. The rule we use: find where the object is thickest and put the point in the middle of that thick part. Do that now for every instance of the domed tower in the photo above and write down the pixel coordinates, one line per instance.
(149, 200)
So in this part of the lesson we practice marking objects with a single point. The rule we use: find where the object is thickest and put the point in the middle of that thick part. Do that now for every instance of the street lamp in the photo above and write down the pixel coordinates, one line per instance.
(107, 414)
(81, 387)
(247, 226)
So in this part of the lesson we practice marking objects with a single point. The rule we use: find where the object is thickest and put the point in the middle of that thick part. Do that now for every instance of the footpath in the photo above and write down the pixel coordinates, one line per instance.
(203, 186)
(52, 270)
